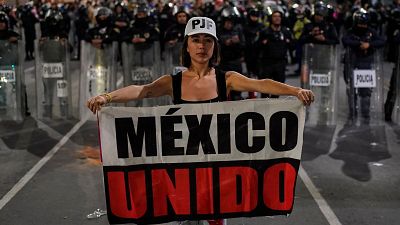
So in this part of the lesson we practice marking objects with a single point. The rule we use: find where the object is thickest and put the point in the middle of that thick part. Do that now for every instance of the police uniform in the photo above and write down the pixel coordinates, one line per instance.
(251, 32)
(275, 42)
(104, 29)
(360, 59)
(319, 26)
(28, 22)
(142, 29)
(231, 54)
(273, 54)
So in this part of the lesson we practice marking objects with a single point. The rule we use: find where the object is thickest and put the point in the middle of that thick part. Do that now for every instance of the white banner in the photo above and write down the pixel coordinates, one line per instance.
(364, 78)
(149, 126)
(52, 70)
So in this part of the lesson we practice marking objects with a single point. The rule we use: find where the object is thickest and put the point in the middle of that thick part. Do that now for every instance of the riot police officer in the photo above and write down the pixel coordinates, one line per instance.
(319, 31)
(142, 32)
(251, 30)
(121, 18)
(12, 37)
(274, 42)
(393, 41)
(176, 32)
(54, 26)
(232, 43)
(362, 42)
(103, 32)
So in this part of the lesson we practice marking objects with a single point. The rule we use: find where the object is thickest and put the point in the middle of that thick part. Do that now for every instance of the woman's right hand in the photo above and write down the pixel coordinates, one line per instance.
(95, 103)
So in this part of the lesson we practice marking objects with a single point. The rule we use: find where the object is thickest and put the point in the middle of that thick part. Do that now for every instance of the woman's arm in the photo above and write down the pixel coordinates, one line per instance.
(238, 82)
(160, 87)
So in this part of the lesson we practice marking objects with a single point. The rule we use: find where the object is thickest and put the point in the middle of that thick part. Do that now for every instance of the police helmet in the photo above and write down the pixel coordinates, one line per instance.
(395, 15)
(253, 12)
(320, 9)
(103, 15)
(209, 8)
(142, 8)
(4, 18)
(53, 17)
(120, 4)
(275, 9)
(361, 16)
(179, 9)
(103, 11)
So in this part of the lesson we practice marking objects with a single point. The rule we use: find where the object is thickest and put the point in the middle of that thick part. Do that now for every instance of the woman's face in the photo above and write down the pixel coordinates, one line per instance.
(200, 47)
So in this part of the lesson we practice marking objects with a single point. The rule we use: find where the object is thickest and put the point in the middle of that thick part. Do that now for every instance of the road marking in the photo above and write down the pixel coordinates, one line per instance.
(28, 176)
(321, 202)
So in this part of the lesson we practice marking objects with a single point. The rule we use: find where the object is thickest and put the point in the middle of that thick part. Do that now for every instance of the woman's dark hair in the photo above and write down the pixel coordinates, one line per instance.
(186, 60)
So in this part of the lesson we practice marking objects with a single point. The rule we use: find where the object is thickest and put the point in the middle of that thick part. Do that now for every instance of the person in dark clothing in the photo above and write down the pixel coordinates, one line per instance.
(232, 43)
(362, 42)
(393, 41)
(54, 25)
(12, 37)
(5, 32)
(29, 20)
(174, 36)
(103, 33)
(121, 18)
(274, 42)
(251, 30)
(319, 31)
(142, 32)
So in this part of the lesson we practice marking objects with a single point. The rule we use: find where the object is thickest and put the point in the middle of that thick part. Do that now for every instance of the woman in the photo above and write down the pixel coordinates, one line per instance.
(201, 82)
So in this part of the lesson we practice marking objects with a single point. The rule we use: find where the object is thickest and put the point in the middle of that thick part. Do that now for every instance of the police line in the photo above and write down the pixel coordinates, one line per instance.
(202, 161)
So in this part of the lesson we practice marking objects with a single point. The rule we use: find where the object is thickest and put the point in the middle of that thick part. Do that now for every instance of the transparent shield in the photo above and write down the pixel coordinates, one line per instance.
(53, 80)
(172, 55)
(98, 74)
(365, 87)
(11, 82)
(319, 73)
(396, 109)
(142, 66)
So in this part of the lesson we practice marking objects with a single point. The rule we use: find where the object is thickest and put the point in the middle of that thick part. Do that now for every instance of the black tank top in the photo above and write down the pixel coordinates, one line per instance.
(177, 89)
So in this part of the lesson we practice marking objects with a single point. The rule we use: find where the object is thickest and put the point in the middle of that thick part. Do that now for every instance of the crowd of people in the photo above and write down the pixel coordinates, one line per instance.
(265, 36)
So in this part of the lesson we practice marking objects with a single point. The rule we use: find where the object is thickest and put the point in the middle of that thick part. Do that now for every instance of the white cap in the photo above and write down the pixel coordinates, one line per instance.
(201, 25)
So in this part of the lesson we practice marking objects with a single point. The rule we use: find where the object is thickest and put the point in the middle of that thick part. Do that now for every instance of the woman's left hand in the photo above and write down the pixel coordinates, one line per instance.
(306, 96)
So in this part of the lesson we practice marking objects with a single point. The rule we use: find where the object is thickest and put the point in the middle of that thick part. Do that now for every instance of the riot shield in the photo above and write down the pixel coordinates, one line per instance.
(319, 73)
(364, 79)
(172, 55)
(53, 80)
(12, 97)
(141, 65)
(396, 91)
(98, 75)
